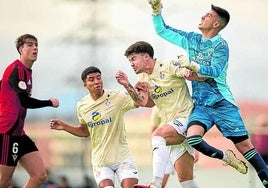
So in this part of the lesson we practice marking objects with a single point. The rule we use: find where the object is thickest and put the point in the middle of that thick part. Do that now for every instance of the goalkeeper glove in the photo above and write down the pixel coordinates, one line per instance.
(186, 63)
(156, 6)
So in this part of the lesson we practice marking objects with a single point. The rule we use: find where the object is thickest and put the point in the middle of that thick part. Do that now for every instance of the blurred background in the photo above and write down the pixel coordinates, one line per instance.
(74, 34)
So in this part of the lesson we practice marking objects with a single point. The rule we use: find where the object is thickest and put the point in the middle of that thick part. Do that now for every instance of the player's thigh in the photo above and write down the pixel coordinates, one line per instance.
(182, 156)
(184, 167)
(104, 176)
(127, 169)
(129, 182)
(33, 164)
(6, 173)
(170, 134)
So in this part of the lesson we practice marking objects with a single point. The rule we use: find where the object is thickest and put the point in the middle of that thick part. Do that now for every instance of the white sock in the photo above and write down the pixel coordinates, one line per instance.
(157, 181)
(160, 159)
(189, 184)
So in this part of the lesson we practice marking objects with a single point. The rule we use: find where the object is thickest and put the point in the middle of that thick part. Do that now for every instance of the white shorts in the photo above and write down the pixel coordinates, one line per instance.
(170, 168)
(123, 170)
(180, 124)
(176, 151)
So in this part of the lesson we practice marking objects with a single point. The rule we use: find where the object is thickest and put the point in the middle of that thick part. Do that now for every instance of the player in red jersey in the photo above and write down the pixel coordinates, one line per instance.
(15, 98)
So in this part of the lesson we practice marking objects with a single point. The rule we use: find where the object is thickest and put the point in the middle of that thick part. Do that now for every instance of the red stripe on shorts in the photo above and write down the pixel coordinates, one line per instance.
(6, 139)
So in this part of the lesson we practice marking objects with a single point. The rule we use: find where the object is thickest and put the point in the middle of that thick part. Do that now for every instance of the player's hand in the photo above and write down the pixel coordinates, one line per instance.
(56, 124)
(190, 75)
(142, 86)
(122, 78)
(186, 63)
(55, 102)
(142, 89)
(156, 6)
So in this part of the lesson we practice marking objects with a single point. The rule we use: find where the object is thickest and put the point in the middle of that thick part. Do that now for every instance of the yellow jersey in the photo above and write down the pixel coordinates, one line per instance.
(169, 90)
(105, 120)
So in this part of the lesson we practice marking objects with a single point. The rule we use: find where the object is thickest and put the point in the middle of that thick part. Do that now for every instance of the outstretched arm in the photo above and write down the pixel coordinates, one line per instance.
(81, 131)
(19, 84)
(29, 102)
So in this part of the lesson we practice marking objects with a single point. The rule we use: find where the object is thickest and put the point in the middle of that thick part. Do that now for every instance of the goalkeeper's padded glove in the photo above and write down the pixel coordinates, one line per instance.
(156, 6)
(186, 63)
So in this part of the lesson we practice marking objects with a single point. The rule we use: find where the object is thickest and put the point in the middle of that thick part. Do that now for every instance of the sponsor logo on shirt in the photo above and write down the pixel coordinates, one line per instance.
(22, 85)
(160, 93)
(96, 117)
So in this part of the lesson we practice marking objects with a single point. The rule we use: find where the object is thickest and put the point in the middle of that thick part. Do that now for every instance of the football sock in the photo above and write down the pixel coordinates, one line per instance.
(157, 181)
(160, 158)
(189, 184)
(259, 165)
(200, 145)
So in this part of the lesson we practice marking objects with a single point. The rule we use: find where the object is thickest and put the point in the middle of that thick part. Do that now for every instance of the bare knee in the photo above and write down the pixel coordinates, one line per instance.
(5, 182)
(43, 178)
(244, 146)
(169, 134)
(157, 132)
(106, 182)
(40, 177)
(6, 174)
(185, 177)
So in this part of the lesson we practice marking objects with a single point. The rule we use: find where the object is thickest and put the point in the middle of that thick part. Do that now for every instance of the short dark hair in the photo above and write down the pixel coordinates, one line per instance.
(222, 13)
(89, 70)
(140, 47)
(21, 40)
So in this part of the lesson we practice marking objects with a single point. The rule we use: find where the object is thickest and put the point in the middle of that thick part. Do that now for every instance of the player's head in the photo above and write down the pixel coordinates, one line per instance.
(88, 71)
(140, 47)
(26, 38)
(223, 15)
(92, 80)
(140, 55)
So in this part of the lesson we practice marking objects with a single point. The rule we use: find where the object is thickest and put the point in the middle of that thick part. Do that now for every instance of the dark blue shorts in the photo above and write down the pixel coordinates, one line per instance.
(14, 147)
(223, 114)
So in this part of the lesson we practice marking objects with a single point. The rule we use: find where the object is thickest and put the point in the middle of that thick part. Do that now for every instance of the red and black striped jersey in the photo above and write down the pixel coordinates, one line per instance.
(16, 79)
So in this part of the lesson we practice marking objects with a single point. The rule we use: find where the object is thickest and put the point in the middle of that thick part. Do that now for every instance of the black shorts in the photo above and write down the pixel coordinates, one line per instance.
(14, 147)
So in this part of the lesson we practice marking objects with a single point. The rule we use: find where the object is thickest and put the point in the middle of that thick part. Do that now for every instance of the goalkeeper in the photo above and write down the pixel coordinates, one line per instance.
(213, 101)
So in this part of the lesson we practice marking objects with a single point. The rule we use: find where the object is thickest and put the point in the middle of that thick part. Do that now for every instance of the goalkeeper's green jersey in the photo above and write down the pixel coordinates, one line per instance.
(211, 54)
